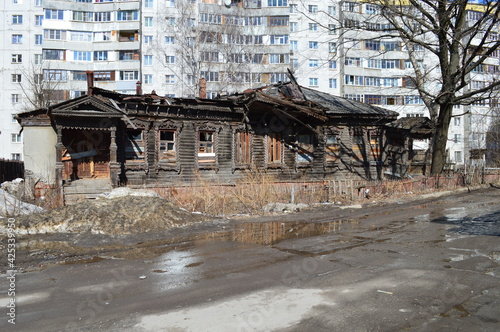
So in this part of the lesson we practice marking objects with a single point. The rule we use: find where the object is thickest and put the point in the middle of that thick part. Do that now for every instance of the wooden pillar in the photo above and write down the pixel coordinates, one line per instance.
(114, 166)
(59, 151)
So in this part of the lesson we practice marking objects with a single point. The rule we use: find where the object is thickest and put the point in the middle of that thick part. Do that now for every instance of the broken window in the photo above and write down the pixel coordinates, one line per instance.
(305, 148)
(134, 146)
(358, 144)
(206, 148)
(167, 145)
(332, 148)
(243, 148)
(374, 136)
(274, 148)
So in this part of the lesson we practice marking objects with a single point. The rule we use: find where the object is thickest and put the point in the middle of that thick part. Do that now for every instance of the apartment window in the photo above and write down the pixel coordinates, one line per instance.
(170, 3)
(170, 20)
(169, 40)
(332, 47)
(278, 77)
(414, 100)
(38, 78)
(129, 75)
(305, 148)
(55, 75)
(148, 39)
(82, 56)
(79, 76)
(148, 21)
(14, 98)
(53, 14)
(54, 34)
(373, 45)
(355, 62)
(313, 81)
(148, 79)
(313, 45)
(312, 8)
(15, 138)
(313, 26)
(170, 79)
(170, 59)
(134, 146)
(294, 45)
(167, 145)
(148, 60)
(332, 83)
(53, 54)
(210, 76)
(279, 58)
(457, 121)
(332, 64)
(17, 39)
(372, 9)
(457, 138)
(278, 21)
(148, 3)
(372, 81)
(38, 59)
(348, 6)
(17, 58)
(274, 148)
(206, 147)
(373, 99)
(104, 76)
(353, 80)
(332, 29)
(17, 19)
(38, 39)
(332, 10)
(294, 26)
(386, 81)
(102, 36)
(102, 17)
(84, 36)
(294, 8)
(16, 78)
(277, 3)
(279, 39)
(458, 156)
(83, 16)
(100, 55)
(313, 63)
(257, 58)
(127, 15)
(15, 156)
(39, 3)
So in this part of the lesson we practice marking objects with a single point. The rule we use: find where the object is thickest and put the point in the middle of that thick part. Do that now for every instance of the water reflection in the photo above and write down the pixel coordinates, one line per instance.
(270, 233)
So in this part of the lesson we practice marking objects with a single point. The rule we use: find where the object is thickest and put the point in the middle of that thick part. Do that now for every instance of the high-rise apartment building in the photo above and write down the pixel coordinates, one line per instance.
(49, 46)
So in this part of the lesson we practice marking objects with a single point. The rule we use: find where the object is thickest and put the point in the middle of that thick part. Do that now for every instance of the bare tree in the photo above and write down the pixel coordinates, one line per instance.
(457, 39)
(39, 89)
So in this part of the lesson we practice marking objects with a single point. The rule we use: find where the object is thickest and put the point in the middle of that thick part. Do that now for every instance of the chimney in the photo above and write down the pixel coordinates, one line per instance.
(138, 90)
(90, 82)
(203, 88)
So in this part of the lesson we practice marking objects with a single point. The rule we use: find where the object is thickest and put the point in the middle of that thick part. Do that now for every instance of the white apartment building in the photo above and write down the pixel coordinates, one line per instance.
(20, 45)
(168, 45)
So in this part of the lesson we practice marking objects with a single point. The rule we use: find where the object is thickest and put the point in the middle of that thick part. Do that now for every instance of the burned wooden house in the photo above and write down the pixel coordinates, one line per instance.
(288, 131)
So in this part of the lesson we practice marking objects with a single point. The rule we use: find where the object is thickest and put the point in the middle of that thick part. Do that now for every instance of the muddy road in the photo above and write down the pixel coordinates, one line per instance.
(422, 265)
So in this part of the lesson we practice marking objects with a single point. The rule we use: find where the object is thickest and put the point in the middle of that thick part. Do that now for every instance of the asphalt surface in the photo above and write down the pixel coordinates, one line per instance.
(426, 265)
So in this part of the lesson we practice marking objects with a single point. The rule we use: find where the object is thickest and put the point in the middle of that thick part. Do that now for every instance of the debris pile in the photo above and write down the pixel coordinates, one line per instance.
(124, 214)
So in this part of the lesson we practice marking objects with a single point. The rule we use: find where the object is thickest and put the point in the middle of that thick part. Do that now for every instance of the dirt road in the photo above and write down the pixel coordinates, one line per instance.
(426, 265)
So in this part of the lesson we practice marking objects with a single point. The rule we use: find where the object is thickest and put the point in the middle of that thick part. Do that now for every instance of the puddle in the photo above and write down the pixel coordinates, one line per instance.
(488, 224)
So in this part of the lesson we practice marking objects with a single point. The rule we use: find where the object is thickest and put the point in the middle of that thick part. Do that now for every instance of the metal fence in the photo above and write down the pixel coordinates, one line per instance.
(11, 169)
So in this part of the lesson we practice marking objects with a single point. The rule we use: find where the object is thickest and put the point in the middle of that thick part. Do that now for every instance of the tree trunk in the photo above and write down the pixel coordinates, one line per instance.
(440, 139)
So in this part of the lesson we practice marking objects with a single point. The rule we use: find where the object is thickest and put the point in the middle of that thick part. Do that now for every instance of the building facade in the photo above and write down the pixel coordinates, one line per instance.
(234, 44)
